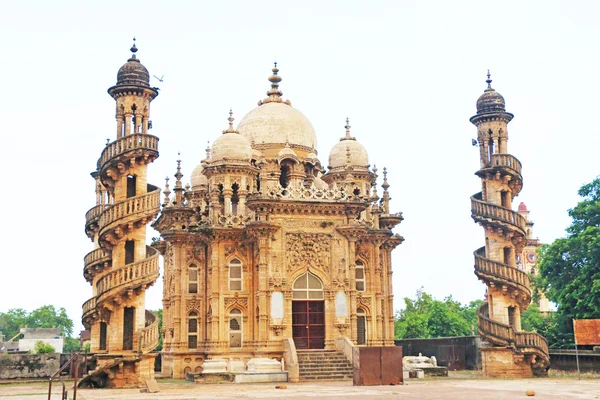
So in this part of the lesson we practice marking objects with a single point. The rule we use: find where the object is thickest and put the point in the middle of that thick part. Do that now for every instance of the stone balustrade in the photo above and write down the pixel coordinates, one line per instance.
(507, 161)
(149, 336)
(486, 267)
(89, 307)
(531, 340)
(137, 141)
(494, 331)
(137, 273)
(480, 208)
(93, 259)
(505, 335)
(303, 193)
(146, 204)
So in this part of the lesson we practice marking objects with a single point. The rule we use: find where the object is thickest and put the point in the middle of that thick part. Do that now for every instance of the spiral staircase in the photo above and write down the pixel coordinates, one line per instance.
(511, 281)
(114, 283)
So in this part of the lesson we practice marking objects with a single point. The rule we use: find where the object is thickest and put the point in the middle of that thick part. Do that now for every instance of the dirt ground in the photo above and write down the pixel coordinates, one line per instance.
(455, 387)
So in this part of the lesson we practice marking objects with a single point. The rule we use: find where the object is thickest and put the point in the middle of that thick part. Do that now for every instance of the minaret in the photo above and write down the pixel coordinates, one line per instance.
(121, 327)
(515, 353)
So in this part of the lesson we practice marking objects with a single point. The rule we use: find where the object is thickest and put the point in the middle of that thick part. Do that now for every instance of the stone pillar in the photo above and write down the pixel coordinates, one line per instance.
(127, 124)
(227, 192)
(241, 209)
(119, 126)
(138, 123)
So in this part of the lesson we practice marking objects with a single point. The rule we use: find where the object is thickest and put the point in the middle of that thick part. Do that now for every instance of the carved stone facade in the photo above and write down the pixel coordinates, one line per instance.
(265, 245)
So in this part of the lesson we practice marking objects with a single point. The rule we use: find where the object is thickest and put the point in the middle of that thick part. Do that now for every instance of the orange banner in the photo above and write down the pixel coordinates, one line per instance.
(587, 331)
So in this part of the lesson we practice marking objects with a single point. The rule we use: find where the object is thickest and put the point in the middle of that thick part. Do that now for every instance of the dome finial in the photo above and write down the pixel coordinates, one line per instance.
(347, 126)
(133, 50)
(489, 80)
(274, 93)
(230, 119)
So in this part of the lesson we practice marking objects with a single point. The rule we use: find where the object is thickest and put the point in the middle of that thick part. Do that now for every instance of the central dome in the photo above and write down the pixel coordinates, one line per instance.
(275, 121)
(278, 123)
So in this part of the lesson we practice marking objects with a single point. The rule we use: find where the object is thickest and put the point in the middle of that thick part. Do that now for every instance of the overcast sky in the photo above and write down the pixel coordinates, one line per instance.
(406, 73)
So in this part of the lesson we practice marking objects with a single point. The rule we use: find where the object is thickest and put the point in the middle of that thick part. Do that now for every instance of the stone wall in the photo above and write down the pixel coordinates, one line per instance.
(13, 366)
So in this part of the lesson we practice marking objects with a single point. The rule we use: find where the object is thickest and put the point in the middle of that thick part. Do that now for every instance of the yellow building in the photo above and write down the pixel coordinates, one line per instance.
(528, 258)
(512, 352)
(266, 253)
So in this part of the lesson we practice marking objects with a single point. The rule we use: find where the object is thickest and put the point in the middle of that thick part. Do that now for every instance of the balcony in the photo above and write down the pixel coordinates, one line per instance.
(129, 210)
(94, 262)
(136, 142)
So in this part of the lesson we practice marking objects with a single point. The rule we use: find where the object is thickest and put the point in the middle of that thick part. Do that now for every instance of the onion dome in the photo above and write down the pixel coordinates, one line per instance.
(275, 121)
(231, 145)
(348, 152)
(522, 207)
(490, 101)
(198, 177)
(133, 73)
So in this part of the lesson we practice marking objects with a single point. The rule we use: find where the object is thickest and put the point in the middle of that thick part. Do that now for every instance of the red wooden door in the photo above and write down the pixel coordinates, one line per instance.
(308, 324)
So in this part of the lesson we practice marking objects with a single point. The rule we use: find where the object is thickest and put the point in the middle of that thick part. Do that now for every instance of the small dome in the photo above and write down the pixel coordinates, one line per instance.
(133, 73)
(490, 101)
(522, 207)
(256, 155)
(231, 145)
(287, 152)
(348, 148)
(198, 177)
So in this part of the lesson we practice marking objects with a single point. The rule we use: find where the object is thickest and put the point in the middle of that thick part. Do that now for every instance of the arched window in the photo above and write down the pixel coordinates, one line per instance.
(192, 278)
(361, 326)
(284, 177)
(192, 330)
(235, 328)
(235, 275)
(360, 276)
(307, 287)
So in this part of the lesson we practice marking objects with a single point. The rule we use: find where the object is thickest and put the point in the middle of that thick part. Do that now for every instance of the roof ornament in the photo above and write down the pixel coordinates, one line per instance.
(274, 94)
(230, 119)
(489, 81)
(347, 126)
(133, 50)
(166, 192)
(386, 195)
(207, 149)
(178, 175)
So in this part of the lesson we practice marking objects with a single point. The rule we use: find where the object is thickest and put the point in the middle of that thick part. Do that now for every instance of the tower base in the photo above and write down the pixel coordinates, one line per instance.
(503, 362)
(121, 371)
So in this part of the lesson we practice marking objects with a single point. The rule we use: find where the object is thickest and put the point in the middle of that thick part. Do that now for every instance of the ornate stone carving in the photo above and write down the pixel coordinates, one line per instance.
(308, 250)
(342, 328)
(193, 304)
(277, 328)
(241, 301)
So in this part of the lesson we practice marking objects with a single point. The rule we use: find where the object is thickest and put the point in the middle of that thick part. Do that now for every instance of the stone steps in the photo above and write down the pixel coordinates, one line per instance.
(323, 365)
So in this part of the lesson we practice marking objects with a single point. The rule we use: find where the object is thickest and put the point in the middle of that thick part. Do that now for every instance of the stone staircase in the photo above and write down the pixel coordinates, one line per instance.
(323, 365)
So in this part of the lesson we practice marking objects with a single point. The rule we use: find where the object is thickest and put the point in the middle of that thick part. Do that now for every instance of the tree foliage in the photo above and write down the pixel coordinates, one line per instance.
(42, 347)
(44, 317)
(569, 268)
(426, 317)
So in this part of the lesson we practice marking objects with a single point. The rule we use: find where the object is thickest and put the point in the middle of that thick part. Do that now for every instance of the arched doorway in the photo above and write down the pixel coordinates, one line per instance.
(361, 326)
(308, 312)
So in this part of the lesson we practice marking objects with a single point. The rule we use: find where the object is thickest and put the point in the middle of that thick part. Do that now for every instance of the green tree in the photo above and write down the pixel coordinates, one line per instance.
(159, 313)
(12, 321)
(569, 268)
(49, 317)
(43, 348)
(426, 317)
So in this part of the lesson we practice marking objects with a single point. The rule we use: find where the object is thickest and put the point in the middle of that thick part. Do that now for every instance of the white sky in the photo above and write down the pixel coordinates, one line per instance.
(407, 73)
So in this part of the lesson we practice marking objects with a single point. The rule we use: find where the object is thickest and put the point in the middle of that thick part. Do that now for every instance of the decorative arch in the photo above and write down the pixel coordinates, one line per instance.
(308, 286)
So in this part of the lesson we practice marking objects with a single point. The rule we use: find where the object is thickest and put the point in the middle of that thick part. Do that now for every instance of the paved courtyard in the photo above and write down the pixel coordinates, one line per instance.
(456, 387)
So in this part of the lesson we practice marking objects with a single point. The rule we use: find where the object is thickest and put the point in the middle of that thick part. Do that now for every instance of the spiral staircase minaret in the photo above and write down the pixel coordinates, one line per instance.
(511, 352)
(122, 266)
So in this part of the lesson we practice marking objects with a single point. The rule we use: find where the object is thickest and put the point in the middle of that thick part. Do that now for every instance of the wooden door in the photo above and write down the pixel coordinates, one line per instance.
(308, 324)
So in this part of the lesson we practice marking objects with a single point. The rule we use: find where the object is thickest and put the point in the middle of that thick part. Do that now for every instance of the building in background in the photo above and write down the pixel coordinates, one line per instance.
(528, 258)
